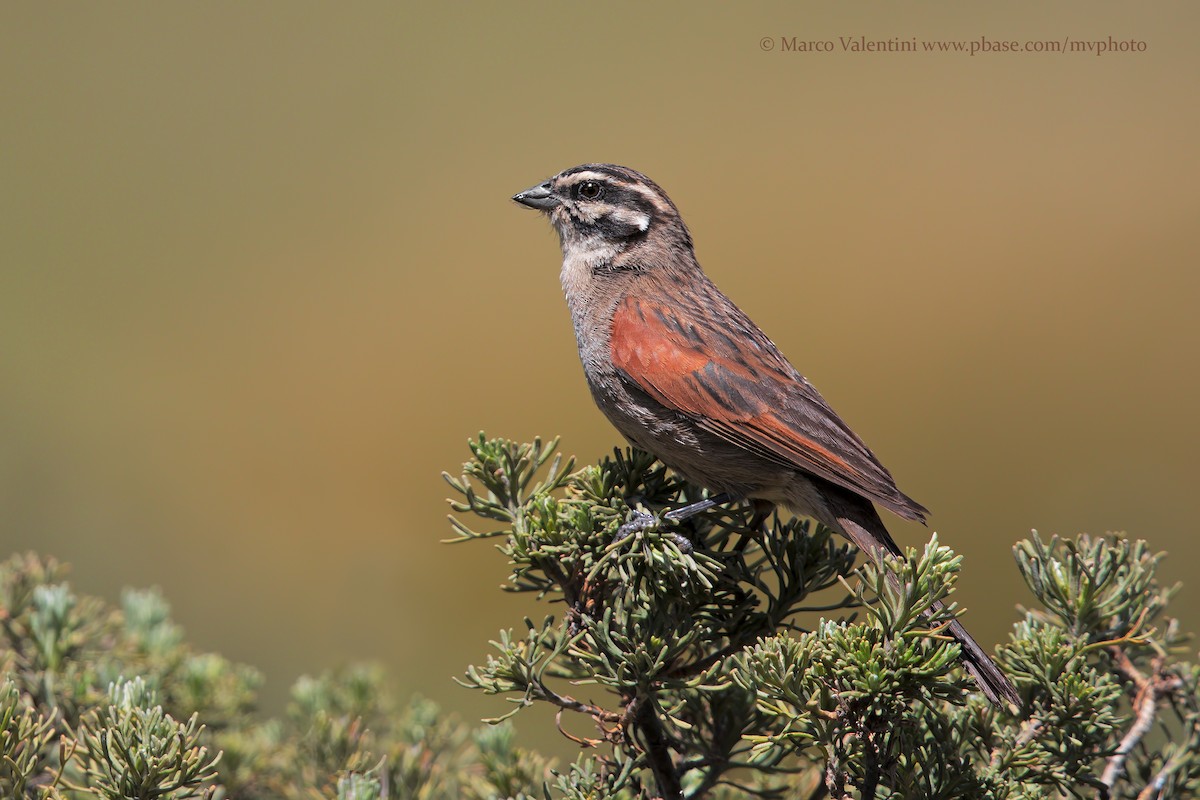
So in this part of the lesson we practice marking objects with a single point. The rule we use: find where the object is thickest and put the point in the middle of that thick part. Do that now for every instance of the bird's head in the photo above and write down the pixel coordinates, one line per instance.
(604, 208)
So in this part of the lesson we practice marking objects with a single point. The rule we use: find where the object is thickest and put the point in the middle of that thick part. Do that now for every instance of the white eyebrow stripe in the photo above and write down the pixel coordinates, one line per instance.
(649, 195)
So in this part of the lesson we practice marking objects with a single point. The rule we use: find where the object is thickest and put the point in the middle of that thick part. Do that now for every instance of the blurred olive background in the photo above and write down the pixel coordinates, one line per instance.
(260, 280)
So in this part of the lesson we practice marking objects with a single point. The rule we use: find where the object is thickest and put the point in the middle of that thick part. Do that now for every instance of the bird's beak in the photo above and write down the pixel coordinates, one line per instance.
(539, 197)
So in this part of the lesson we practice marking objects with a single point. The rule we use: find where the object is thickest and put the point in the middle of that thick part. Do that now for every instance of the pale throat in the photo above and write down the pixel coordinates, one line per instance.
(582, 256)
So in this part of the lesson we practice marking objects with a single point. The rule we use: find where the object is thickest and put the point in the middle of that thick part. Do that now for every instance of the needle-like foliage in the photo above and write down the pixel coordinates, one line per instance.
(725, 657)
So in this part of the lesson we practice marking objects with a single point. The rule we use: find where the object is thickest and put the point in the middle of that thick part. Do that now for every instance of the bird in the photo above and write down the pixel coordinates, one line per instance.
(685, 375)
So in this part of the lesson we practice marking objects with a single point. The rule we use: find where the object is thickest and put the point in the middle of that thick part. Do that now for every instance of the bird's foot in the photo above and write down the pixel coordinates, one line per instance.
(638, 522)
(643, 521)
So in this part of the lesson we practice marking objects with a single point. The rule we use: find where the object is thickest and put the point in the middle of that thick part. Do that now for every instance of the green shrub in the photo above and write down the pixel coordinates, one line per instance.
(709, 659)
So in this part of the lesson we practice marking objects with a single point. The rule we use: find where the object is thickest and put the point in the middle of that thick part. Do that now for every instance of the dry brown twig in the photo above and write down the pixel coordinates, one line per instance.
(1148, 692)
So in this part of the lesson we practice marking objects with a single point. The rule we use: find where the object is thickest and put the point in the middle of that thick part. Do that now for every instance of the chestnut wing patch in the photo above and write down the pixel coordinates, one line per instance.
(732, 380)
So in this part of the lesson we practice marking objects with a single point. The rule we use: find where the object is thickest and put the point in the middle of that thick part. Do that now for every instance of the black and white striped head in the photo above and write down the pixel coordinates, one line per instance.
(605, 203)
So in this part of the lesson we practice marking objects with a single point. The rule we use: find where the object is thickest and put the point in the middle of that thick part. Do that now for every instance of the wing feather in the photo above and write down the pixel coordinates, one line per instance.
(731, 379)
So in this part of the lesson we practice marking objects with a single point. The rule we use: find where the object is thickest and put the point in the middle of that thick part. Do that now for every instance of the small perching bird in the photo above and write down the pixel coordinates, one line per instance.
(684, 374)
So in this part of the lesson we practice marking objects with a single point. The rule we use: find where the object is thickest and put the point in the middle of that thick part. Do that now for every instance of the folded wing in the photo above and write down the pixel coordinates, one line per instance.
(731, 379)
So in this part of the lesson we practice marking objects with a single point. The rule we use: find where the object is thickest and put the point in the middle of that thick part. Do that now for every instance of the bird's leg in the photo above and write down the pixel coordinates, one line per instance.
(642, 520)
(692, 509)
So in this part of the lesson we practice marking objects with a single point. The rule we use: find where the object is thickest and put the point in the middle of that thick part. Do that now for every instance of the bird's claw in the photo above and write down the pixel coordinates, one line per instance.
(644, 521)
(641, 521)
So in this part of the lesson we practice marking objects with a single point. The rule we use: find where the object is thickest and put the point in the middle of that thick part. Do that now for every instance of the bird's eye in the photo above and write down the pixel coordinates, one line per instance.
(590, 190)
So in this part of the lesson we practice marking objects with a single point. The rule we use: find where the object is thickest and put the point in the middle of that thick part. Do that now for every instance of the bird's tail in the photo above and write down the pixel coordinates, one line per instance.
(858, 519)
